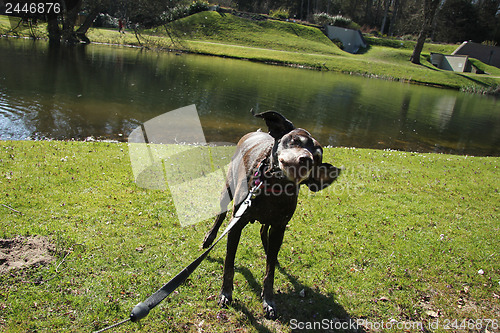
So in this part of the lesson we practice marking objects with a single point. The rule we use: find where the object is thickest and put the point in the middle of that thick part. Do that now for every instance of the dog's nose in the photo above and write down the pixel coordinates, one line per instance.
(305, 160)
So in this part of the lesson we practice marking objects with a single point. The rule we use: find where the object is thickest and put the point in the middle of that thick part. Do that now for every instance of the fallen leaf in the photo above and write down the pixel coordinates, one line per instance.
(432, 314)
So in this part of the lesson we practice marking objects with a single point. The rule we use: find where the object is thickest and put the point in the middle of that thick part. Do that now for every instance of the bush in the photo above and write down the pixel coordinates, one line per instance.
(341, 21)
(322, 18)
(181, 11)
(197, 7)
(489, 43)
(280, 13)
(409, 37)
(339, 43)
(106, 21)
(337, 20)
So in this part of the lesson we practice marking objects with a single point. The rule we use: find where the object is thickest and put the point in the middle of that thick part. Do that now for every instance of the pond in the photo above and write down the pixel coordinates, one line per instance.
(106, 91)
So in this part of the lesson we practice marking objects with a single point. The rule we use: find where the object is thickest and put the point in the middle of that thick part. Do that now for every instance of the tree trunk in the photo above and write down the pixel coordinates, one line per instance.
(88, 21)
(386, 11)
(82, 30)
(394, 19)
(368, 12)
(429, 12)
(68, 32)
(415, 57)
(53, 29)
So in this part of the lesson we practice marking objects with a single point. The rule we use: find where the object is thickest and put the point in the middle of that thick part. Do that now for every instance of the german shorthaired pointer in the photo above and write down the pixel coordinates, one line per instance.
(281, 160)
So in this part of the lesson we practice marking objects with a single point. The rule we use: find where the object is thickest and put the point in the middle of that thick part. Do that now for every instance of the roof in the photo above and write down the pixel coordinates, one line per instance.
(490, 55)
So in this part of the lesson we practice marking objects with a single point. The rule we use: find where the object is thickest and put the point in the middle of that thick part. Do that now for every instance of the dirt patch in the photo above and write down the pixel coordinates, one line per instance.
(21, 252)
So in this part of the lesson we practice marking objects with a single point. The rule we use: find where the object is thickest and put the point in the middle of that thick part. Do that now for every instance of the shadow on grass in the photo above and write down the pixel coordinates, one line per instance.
(479, 83)
(427, 64)
(292, 307)
(364, 50)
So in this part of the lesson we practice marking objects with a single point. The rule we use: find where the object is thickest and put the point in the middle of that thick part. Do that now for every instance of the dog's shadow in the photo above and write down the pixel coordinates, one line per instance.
(299, 306)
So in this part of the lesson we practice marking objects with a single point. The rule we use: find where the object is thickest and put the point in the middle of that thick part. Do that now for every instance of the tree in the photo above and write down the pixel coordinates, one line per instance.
(458, 20)
(386, 12)
(140, 13)
(394, 20)
(93, 8)
(487, 26)
(69, 14)
(429, 11)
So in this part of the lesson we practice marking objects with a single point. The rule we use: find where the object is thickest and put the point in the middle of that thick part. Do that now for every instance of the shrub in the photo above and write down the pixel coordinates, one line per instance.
(181, 11)
(280, 13)
(341, 21)
(409, 37)
(322, 18)
(489, 43)
(197, 7)
(106, 21)
(337, 20)
(339, 44)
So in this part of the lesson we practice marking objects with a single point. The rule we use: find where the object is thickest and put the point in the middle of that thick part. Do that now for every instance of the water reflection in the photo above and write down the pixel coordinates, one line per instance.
(106, 91)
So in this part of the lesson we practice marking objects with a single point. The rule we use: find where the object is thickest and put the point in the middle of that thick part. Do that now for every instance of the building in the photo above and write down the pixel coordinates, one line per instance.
(487, 54)
(456, 63)
(352, 40)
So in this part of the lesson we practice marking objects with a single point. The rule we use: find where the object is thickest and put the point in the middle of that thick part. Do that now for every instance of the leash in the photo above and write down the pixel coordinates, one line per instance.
(142, 309)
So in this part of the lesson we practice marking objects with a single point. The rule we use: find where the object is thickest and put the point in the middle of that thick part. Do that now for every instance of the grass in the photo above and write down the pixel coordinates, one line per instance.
(291, 44)
(400, 236)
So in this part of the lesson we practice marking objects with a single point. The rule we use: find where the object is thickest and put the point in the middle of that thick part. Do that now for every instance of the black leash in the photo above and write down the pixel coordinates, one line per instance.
(142, 309)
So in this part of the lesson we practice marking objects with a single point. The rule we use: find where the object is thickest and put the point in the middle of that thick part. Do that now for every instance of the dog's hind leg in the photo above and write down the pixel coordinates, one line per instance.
(275, 239)
(226, 198)
(264, 237)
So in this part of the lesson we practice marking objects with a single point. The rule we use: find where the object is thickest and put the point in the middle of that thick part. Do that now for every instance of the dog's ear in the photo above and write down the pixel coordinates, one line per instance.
(322, 176)
(276, 123)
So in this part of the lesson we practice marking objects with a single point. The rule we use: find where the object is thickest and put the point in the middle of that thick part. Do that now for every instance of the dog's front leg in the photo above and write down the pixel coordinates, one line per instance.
(233, 238)
(275, 239)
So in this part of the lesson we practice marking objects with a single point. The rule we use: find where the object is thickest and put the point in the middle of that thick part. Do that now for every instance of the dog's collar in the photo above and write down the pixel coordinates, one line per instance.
(265, 172)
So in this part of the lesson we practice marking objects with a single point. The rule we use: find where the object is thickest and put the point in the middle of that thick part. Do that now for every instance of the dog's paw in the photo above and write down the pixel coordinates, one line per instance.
(270, 310)
(224, 300)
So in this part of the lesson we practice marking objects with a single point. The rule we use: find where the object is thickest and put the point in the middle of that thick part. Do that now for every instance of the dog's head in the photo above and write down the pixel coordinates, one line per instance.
(297, 154)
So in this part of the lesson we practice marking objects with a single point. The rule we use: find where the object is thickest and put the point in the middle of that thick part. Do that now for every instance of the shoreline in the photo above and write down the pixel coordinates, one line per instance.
(92, 139)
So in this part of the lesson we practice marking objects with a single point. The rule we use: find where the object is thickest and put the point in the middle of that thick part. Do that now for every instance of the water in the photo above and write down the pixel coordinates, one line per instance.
(106, 92)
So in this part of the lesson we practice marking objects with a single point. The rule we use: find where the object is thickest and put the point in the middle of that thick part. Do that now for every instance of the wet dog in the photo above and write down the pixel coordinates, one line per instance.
(279, 161)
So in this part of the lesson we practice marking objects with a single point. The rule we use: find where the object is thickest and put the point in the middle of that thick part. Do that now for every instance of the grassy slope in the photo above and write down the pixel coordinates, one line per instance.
(293, 44)
(400, 236)
(309, 47)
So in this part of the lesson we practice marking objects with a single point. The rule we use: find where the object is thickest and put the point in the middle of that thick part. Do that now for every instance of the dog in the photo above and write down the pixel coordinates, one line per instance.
(279, 161)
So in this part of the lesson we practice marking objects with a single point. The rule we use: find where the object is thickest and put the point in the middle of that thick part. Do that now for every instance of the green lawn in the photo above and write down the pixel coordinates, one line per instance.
(400, 236)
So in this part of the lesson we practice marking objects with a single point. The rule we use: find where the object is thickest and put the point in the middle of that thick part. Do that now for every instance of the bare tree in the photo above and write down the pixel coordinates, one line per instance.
(386, 12)
(72, 10)
(69, 16)
(429, 11)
